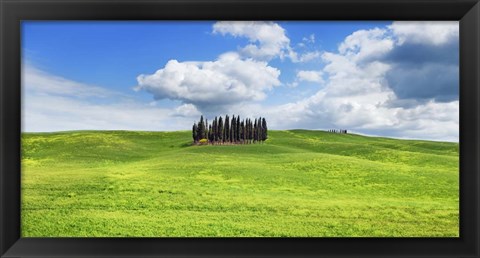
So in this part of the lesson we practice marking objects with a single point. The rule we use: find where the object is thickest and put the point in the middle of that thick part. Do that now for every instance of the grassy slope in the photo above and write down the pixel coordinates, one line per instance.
(299, 183)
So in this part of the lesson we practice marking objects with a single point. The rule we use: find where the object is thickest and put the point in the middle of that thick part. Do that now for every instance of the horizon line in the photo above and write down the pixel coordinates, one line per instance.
(323, 130)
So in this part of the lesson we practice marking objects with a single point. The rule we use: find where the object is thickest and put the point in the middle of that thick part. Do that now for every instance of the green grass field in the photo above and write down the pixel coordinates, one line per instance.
(298, 183)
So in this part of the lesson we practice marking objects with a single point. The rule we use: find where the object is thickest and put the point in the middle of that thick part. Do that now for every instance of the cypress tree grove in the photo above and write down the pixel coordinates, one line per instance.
(233, 131)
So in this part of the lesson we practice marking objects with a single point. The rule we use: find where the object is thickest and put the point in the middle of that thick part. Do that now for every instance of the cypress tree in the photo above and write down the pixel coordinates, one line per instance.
(210, 134)
(242, 131)
(232, 130)
(255, 131)
(252, 131)
(264, 129)
(214, 130)
(220, 130)
(194, 132)
(199, 131)
(226, 131)
(206, 129)
(246, 129)
(201, 128)
(237, 136)
(237, 129)
(260, 129)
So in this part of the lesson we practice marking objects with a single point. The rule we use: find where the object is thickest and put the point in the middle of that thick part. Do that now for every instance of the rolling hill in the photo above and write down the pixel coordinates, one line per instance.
(298, 183)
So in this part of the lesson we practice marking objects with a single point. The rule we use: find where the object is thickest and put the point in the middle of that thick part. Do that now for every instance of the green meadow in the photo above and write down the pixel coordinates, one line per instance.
(298, 183)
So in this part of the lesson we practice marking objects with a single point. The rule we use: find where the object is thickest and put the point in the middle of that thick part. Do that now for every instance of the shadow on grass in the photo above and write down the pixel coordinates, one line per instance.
(186, 144)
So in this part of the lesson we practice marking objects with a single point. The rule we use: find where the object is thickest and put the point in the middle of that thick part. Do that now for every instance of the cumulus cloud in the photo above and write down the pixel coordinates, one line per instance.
(424, 61)
(267, 39)
(305, 57)
(310, 76)
(390, 81)
(371, 88)
(400, 80)
(234, 77)
(366, 45)
(425, 32)
(186, 110)
(425, 81)
(212, 84)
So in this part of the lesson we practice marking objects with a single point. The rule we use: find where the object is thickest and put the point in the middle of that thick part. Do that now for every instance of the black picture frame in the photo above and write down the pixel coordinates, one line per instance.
(12, 12)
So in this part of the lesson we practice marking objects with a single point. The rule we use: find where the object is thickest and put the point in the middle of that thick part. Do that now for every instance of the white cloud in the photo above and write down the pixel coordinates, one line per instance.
(267, 39)
(310, 39)
(366, 45)
(356, 96)
(310, 76)
(305, 57)
(186, 110)
(306, 76)
(425, 32)
(223, 82)
(53, 103)
(39, 81)
(67, 113)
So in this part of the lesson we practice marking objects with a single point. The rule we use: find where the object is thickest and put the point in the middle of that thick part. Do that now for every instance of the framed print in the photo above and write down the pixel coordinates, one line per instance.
(239, 128)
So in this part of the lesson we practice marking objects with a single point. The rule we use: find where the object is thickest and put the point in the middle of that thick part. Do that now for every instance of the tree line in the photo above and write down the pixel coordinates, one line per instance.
(337, 131)
(230, 131)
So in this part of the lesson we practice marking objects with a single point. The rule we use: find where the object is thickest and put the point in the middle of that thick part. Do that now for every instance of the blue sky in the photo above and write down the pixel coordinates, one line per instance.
(396, 79)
